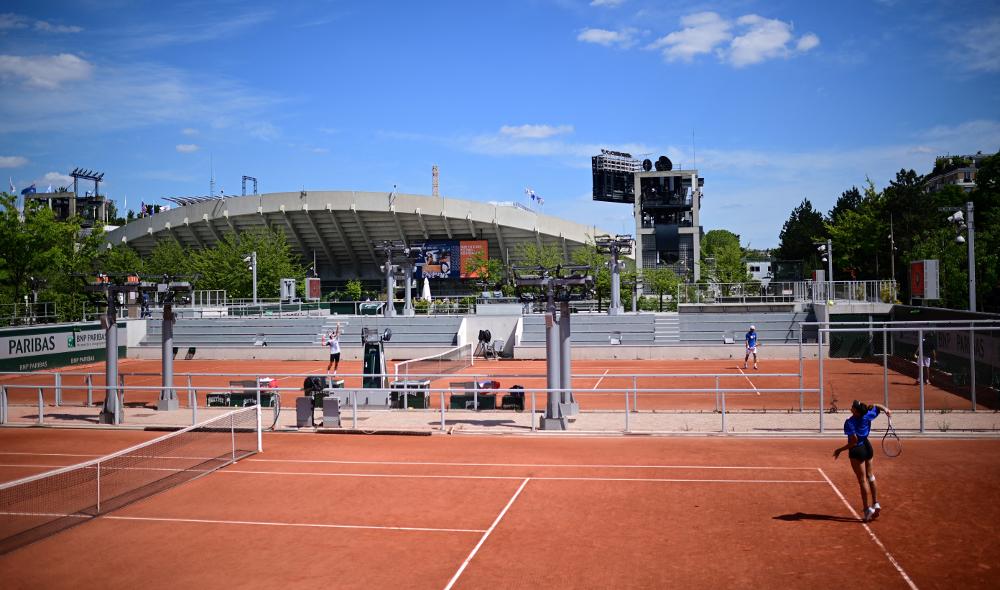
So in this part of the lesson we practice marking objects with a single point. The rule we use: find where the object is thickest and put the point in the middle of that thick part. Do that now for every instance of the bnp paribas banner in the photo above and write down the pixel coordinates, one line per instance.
(39, 348)
(448, 259)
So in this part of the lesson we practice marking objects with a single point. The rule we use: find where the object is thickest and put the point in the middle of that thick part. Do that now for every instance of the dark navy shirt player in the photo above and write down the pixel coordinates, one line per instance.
(860, 425)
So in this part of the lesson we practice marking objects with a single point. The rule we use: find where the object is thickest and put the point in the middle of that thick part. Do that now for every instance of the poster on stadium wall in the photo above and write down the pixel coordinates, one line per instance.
(38, 348)
(446, 259)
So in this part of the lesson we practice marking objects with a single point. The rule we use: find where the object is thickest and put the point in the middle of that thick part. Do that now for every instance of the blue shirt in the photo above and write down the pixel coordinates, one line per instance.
(751, 339)
(860, 426)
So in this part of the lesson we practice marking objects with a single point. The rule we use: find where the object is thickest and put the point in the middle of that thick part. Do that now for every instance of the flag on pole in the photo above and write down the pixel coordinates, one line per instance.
(29, 190)
(49, 190)
(534, 197)
(13, 189)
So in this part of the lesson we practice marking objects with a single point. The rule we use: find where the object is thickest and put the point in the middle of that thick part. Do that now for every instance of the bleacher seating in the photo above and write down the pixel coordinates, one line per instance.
(596, 329)
(713, 328)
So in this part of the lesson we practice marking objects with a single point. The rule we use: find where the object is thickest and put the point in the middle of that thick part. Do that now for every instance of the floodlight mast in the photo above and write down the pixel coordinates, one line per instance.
(615, 246)
(562, 283)
(398, 256)
(966, 223)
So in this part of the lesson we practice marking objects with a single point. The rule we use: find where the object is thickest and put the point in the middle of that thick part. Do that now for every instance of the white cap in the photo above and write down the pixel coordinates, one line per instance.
(753, 327)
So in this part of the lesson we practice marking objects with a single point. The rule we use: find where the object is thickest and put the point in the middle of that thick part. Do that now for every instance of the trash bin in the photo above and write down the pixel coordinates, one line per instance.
(304, 411)
(414, 393)
(331, 412)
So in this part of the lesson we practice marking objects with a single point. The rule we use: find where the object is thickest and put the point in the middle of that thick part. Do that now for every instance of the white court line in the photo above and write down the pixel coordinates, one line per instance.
(601, 379)
(486, 535)
(888, 555)
(748, 380)
(516, 477)
(295, 524)
(570, 465)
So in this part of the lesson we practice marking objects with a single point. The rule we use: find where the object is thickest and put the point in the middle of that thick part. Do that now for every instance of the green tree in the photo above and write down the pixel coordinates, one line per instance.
(849, 200)
(589, 256)
(223, 267)
(661, 281)
(548, 256)
(723, 247)
(797, 239)
(488, 271)
(34, 246)
(352, 290)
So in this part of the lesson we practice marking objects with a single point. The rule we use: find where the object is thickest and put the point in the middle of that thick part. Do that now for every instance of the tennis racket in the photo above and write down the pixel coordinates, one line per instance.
(891, 445)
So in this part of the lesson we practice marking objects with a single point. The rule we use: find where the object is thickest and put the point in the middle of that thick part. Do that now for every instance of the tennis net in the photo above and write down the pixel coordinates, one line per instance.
(35, 507)
(449, 361)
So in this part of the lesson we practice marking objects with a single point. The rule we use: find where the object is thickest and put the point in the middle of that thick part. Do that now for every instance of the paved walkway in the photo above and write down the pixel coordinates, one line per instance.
(908, 423)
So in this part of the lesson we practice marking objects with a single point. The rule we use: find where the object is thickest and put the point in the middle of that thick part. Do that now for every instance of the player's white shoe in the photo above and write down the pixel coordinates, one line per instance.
(869, 515)
(744, 365)
(876, 510)
(755, 366)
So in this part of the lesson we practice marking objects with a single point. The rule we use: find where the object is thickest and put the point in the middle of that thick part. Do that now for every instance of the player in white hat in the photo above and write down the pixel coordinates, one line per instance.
(751, 340)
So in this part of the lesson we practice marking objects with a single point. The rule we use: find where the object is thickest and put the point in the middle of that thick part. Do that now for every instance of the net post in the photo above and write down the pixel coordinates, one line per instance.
(98, 487)
(3, 404)
(41, 407)
(972, 365)
(194, 407)
(260, 436)
(90, 390)
(57, 381)
(232, 433)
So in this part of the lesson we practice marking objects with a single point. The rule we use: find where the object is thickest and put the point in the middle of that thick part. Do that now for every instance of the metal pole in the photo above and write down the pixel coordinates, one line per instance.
(885, 367)
(829, 268)
(168, 398)
(628, 427)
(972, 366)
(41, 407)
(253, 264)
(90, 390)
(635, 393)
(920, 374)
(260, 437)
(3, 404)
(534, 412)
(442, 410)
(566, 361)
(801, 371)
(717, 406)
(723, 412)
(58, 387)
(109, 412)
(354, 409)
(819, 355)
(972, 256)
(553, 419)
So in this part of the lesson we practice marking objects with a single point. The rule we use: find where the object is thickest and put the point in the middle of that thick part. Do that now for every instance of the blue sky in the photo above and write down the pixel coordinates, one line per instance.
(775, 101)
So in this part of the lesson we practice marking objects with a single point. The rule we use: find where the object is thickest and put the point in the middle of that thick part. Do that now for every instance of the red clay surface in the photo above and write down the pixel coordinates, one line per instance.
(512, 512)
(603, 388)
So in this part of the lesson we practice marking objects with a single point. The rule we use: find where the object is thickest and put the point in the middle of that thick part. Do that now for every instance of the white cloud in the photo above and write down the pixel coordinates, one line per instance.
(133, 96)
(186, 148)
(607, 3)
(56, 179)
(45, 71)
(51, 28)
(208, 29)
(980, 47)
(623, 38)
(702, 32)
(807, 42)
(12, 161)
(10, 21)
(535, 131)
(750, 39)
(189, 131)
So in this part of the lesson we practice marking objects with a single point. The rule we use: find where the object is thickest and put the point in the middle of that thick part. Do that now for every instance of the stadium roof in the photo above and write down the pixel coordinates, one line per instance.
(340, 226)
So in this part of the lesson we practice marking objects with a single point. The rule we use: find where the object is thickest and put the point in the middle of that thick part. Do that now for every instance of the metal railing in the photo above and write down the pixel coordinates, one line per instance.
(26, 314)
(883, 291)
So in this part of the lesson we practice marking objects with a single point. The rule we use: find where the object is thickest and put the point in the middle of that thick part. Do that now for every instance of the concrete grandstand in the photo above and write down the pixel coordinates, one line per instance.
(338, 227)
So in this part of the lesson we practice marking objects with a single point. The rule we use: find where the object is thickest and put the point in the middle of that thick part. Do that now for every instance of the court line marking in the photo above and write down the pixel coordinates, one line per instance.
(486, 535)
(515, 477)
(293, 524)
(748, 380)
(602, 378)
(571, 465)
(892, 560)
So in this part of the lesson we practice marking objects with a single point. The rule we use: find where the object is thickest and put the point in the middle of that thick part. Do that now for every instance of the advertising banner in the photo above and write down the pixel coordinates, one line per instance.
(446, 259)
(38, 348)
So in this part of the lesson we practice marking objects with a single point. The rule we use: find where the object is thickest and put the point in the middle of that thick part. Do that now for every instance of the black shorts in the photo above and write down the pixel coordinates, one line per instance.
(862, 452)
(335, 356)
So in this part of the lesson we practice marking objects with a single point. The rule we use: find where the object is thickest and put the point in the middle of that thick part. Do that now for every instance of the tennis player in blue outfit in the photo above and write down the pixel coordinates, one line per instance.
(859, 449)
(751, 340)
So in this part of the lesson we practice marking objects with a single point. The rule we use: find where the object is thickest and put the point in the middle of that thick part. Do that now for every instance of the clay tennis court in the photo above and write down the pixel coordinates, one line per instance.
(482, 512)
(598, 384)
